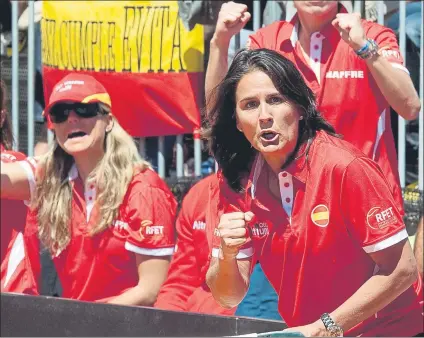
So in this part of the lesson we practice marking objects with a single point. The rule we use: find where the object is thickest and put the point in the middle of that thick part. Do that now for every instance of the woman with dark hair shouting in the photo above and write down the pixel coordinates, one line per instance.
(315, 211)
(105, 216)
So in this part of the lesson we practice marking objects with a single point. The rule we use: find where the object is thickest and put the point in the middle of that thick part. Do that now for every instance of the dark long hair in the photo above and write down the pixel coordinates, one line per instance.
(6, 136)
(231, 149)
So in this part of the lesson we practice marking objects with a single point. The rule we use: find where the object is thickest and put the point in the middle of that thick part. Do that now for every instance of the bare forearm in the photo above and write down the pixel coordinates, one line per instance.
(418, 247)
(376, 293)
(217, 68)
(396, 87)
(135, 296)
(226, 282)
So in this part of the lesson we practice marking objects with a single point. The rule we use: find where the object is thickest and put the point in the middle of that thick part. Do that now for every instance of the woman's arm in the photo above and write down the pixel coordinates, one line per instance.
(152, 271)
(395, 84)
(418, 246)
(14, 182)
(229, 274)
(228, 280)
(397, 272)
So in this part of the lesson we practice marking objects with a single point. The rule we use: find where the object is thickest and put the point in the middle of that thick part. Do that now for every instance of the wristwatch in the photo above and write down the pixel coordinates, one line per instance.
(368, 50)
(331, 326)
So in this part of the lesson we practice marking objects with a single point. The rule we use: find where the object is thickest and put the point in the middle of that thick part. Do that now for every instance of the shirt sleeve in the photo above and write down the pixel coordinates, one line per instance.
(388, 45)
(150, 217)
(255, 41)
(369, 209)
(30, 167)
(184, 271)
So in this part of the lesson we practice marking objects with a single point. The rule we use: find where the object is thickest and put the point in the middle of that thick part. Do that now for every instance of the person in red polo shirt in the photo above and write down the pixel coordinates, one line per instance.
(104, 214)
(13, 213)
(354, 92)
(185, 288)
(316, 212)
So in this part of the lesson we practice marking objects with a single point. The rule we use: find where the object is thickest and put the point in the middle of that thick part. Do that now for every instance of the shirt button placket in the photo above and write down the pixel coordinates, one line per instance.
(90, 195)
(315, 54)
(286, 192)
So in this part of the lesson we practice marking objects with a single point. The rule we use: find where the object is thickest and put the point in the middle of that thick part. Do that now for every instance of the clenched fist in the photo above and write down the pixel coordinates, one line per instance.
(351, 30)
(231, 20)
(234, 232)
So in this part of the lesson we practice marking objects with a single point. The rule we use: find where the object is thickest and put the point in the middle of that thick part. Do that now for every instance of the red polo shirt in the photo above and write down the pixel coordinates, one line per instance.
(185, 288)
(347, 95)
(13, 218)
(103, 266)
(13, 213)
(314, 247)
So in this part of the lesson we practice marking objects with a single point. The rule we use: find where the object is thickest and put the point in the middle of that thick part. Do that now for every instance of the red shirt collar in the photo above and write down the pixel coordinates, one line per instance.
(329, 32)
(297, 168)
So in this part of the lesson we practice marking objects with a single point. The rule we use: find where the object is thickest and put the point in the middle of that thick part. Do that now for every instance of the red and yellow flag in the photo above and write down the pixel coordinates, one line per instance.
(150, 63)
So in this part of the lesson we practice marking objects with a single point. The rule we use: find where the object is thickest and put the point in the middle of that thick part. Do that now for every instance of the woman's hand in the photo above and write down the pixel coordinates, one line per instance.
(316, 329)
(233, 232)
(351, 30)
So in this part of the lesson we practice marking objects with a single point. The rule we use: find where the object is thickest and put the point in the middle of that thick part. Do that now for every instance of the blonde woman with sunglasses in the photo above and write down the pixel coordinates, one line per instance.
(105, 216)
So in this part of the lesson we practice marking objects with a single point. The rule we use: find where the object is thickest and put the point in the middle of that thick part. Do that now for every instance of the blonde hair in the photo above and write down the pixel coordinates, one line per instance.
(112, 175)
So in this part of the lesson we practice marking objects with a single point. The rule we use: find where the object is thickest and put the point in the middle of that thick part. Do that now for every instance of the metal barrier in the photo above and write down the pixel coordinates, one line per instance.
(54, 317)
(358, 6)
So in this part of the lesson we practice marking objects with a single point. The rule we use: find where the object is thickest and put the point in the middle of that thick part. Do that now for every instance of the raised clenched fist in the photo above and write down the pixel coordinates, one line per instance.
(231, 20)
(233, 231)
(350, 28)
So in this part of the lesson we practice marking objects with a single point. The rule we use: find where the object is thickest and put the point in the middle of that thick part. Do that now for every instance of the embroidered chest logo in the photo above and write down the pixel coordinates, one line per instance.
(260, 230)
(379, 218)
(320, 215)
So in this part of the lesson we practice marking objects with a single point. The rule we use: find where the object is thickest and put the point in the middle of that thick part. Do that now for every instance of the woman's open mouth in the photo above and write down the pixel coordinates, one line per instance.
(268, 136)
(76, 134)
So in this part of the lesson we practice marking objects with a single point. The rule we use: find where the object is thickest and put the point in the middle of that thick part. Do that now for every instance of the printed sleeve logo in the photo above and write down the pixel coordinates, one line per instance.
(146, 229)
(8, 157)
(320, 215)
(199, 225)
(149, 229)
(389, 53)
(379, 218)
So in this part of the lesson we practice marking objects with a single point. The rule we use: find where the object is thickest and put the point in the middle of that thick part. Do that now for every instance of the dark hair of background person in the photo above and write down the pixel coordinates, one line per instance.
(6, 136)
(231, 149)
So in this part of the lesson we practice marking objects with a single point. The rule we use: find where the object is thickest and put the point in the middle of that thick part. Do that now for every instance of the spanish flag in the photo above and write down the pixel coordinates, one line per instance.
(148, 60)
(320, 215)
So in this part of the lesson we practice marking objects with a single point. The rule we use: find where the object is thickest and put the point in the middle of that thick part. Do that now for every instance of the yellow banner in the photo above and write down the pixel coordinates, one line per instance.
(119, 36)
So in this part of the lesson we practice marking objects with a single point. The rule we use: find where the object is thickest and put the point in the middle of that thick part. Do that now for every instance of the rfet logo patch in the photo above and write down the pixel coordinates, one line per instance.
(123, 230)
(320, 215)
(379, 218)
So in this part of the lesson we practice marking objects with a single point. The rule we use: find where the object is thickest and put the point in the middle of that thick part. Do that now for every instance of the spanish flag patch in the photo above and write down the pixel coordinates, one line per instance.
(320, 215)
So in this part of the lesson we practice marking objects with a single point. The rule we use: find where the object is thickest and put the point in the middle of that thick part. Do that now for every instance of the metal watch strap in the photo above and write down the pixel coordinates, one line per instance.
(371, 49)
(329, 324)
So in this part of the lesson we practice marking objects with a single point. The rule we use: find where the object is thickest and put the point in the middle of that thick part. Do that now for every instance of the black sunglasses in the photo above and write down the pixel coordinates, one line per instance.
(60, 112)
